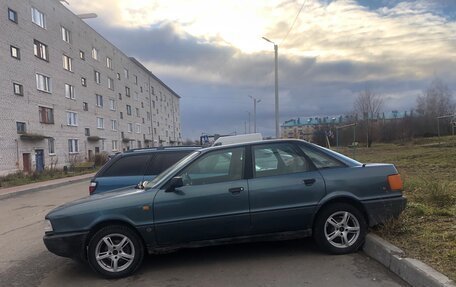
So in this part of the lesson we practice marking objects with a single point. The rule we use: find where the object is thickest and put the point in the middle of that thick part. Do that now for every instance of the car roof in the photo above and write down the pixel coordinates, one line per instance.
(160, 149)
(251, 143)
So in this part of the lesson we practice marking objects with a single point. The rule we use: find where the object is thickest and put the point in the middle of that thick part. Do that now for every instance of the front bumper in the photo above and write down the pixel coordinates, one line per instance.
(70, 245)
(381, 210)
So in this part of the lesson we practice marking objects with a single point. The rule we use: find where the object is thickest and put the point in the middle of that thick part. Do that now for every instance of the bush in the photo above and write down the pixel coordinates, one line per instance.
(101, 158)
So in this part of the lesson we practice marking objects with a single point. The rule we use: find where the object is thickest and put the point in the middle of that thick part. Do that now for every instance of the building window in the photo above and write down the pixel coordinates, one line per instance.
(15, 52)
(51, 146)
(94, 54)
(121, 115)
(65, 34)
(82, 55)
(67, 63)
(87, 132)
(100, 123)
(99, 101)
(46, 115)
(136, 96)
(114, 125)
(142, 105)
(40, 50)
(112, 104)
(138, 128)
(153, 90)
(18, 89)
(97, 77)
(21, 127)
(69, 91)
(72, 119)
(127, 91)
(118, 76)
(148, 116)
(12, 15)
(83, 82)
(141, 89)
(137, 112)
(38, 18)
(73, 146)
(130, 127)
(129, 110)
(109, 63)
(110, 84)
(136, 79)
(114, 145)
(85, 106)
(126, 73)
(43, 83)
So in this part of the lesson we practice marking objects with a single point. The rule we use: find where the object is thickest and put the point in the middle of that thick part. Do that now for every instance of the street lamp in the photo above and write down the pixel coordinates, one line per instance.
(276, 48)
(255, 101)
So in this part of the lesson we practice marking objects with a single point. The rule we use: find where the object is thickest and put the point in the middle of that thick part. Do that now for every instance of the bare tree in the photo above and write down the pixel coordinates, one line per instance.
(436, 100)
(368, 105)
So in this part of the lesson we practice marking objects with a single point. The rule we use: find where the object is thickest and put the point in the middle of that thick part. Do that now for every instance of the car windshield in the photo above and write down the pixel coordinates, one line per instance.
(178, 165)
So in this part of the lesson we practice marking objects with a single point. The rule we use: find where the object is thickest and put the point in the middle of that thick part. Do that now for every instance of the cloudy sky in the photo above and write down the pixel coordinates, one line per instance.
(211, 53)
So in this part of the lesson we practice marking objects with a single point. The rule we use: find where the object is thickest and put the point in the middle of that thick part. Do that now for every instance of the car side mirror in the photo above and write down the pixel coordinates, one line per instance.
(175, 183)
(141, 184)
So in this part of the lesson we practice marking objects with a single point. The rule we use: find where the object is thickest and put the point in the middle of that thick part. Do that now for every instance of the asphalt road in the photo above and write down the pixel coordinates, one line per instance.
(24, 260)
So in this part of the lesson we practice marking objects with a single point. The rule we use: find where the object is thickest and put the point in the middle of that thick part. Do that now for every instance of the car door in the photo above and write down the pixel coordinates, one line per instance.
(212, 204)
(285, 188)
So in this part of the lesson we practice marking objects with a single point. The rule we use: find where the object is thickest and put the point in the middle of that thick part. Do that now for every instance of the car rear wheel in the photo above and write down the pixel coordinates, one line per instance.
(115, 251)
(340, 228)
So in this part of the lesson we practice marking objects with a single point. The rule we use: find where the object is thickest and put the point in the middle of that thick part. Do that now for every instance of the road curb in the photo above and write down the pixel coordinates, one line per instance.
(44, 186)
(414, 272)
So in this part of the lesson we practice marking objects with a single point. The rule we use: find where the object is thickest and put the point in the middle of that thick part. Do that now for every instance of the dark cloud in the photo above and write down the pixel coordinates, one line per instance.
(307, 86)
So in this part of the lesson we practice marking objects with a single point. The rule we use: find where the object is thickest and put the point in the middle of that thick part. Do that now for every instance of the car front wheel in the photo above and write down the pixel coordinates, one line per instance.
(340, 228)
(115, 251)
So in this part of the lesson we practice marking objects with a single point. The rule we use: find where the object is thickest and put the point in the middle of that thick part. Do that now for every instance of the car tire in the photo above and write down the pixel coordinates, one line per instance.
(115, 251)
(340, 228)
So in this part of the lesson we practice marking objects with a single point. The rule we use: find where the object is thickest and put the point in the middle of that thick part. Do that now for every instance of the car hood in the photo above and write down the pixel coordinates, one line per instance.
(100, 199)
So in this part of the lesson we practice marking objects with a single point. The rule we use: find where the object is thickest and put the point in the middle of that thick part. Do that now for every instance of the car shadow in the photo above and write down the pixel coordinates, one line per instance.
(230, 253)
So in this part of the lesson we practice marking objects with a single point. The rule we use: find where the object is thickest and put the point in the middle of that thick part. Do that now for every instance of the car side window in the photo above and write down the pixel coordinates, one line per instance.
(321, 160)
(277, 159)
(128, 166)
(163, 160)
(215, 167)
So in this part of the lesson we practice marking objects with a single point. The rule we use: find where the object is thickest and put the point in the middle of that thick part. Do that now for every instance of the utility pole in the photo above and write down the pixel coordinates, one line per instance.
(255, 101)
(276, 82)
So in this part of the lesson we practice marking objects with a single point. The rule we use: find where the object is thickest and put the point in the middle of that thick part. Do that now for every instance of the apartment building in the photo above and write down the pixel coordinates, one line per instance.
(68, 94)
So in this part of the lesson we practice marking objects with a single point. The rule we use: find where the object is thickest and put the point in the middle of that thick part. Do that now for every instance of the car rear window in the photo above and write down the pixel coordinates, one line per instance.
(128, 166)
(163, 160)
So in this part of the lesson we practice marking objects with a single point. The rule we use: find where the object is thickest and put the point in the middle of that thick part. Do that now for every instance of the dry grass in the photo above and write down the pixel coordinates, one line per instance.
(427, 228)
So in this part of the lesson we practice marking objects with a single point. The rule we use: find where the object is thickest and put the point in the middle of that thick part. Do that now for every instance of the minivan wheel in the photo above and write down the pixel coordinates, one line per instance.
(115, 251)
(340, 228)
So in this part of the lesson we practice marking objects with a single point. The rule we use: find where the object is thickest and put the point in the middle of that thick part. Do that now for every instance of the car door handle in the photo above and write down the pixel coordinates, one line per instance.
(235, 190)
(309, 182)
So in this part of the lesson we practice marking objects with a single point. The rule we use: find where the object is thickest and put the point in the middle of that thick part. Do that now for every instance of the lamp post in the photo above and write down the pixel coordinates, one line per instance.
(276, 48)
(255, 101)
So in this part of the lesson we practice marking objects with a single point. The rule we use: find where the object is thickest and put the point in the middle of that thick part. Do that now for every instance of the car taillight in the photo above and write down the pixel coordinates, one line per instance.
(92, 187)
(395, 182)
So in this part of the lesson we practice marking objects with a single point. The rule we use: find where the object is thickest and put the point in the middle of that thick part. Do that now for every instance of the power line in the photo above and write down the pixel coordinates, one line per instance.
(292, 25)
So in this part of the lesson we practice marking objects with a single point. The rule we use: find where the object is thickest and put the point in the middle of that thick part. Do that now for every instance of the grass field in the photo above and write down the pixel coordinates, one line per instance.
(427, 228)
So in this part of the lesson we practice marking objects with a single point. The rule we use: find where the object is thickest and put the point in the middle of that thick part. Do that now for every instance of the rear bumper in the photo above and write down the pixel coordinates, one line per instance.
(381, 210)
(70, 245)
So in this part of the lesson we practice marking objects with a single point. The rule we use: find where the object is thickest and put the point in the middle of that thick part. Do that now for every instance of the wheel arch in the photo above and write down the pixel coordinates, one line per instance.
(108, 222)
(342, 199)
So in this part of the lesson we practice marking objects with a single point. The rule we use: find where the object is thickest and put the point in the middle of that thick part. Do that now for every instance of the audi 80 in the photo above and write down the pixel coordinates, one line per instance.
(275, 189)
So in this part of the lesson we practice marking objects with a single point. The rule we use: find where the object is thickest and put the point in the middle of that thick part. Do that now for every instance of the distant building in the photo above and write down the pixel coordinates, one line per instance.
(304, 127)
(68, 94)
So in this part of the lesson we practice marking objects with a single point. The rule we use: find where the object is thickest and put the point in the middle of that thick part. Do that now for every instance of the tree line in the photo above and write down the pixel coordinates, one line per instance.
(433, 115)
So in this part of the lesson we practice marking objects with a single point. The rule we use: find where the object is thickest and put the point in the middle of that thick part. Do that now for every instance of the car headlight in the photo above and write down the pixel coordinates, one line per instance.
(48, 226)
